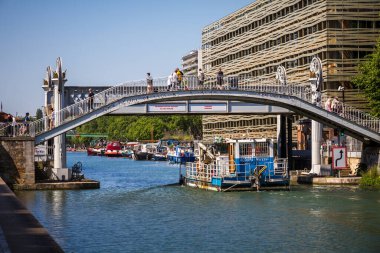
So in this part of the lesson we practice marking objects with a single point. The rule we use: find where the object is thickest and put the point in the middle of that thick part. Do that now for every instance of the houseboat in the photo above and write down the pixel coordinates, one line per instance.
(181, 154)
(144, 151)
(237, 164)
(160, 154)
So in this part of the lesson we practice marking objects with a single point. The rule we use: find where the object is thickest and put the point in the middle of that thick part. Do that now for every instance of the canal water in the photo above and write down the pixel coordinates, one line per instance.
(136, 211)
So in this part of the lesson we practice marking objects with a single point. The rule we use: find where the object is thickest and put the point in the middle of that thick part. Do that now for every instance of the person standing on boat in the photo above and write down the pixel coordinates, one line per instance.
(149, 82)
(90, 99)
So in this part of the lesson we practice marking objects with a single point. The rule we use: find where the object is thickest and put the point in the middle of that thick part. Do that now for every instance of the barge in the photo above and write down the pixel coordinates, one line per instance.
(238, 164)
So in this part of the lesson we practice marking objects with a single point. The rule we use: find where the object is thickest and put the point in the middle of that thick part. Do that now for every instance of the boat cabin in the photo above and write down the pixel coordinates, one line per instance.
(237, 163)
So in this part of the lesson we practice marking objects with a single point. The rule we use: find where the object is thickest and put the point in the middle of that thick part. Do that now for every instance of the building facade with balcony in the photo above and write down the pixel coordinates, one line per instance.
(253, 41)
(190, 63)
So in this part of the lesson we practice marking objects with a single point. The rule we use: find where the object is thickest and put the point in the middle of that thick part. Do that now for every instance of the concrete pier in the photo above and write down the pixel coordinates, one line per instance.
(20, 231)
(84, 184)
(306, 179)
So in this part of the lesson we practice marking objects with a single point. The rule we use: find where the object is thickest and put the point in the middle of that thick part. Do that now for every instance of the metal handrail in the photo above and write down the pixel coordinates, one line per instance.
(205, 172)
(189, 83)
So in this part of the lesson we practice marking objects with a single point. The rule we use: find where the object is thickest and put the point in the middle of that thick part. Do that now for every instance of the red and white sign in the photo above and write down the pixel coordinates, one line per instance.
(208, 108)
(339, 158)
(167, 108)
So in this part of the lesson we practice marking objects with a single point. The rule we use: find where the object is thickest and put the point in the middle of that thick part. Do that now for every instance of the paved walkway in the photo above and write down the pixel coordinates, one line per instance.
(20, 231)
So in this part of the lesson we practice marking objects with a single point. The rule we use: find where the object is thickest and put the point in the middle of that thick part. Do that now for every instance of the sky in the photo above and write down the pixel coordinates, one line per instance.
(100, 42)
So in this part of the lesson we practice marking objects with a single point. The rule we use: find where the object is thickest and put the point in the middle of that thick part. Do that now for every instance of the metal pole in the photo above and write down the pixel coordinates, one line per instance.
(290, 141)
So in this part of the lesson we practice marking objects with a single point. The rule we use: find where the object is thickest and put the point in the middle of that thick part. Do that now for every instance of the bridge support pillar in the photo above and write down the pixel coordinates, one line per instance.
(290, 143)
(316, 135)
(60, 170)
(281, 136)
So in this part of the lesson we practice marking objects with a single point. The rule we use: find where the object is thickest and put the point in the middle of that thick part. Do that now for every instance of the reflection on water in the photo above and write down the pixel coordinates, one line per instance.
(134, 212)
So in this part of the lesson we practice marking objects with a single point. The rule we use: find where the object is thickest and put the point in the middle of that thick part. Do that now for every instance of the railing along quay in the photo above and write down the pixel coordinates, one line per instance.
(189, 83)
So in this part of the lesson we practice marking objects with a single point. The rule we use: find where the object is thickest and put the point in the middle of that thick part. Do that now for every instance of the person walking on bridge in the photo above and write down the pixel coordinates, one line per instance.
(90, 99)
(149, 82)
(201, 79)
(179, 77)
(9, 125)
(219, 79)
(174, 80)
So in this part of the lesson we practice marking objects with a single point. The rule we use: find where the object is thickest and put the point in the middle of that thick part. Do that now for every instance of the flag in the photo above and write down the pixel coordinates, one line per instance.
(1, 109)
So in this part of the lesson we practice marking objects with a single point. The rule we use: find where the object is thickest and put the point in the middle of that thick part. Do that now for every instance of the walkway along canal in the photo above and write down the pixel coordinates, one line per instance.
(134, 211)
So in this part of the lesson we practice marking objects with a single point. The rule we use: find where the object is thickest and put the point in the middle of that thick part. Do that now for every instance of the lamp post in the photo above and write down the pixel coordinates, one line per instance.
(341, 136)
(316, 81)
(341, 88)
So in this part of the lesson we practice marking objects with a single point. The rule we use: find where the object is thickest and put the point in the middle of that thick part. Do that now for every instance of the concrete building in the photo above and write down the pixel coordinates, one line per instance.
(190, 63)
(253, 41)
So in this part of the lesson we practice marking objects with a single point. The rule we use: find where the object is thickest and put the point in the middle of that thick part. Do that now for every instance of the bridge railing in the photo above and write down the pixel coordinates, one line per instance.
(352, 114)
(139, 87)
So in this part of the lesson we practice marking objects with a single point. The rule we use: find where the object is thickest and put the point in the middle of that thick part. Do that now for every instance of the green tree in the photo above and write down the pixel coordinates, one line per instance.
(141, 127)
(368, 79)
(39, 114)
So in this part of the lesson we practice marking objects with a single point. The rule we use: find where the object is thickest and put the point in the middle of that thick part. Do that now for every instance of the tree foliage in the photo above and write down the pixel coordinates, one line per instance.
(39, 113)
(142, 127)
(368, 79)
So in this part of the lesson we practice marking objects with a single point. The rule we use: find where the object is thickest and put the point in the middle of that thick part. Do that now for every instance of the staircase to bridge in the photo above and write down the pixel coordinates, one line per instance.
(295, 97)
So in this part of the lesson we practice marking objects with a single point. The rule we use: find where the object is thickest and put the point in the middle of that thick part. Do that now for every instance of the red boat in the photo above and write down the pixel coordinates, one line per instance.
(113, 149)
(95, 151)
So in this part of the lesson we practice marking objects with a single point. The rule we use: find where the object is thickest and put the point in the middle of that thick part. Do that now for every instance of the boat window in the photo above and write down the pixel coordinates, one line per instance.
(245, 149)
(261, 149)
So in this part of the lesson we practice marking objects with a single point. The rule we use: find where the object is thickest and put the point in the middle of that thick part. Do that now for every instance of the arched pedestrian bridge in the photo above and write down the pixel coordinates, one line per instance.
(134, 98)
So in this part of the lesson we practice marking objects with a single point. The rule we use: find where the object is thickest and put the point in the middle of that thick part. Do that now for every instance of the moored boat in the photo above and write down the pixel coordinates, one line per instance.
(161, 154)
(243, 164)
(95, 151)
(113, 149)
(181, 154)
(144, 152)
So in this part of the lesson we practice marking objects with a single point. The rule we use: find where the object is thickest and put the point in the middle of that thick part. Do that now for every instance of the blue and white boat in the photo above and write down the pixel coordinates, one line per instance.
(238, 164)
(181, 154)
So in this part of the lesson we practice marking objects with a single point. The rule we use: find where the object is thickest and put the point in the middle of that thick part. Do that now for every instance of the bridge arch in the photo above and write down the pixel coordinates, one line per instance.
(281, 98)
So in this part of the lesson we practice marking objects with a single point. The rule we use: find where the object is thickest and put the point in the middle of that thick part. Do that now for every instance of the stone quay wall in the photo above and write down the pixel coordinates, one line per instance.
(17, 160)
